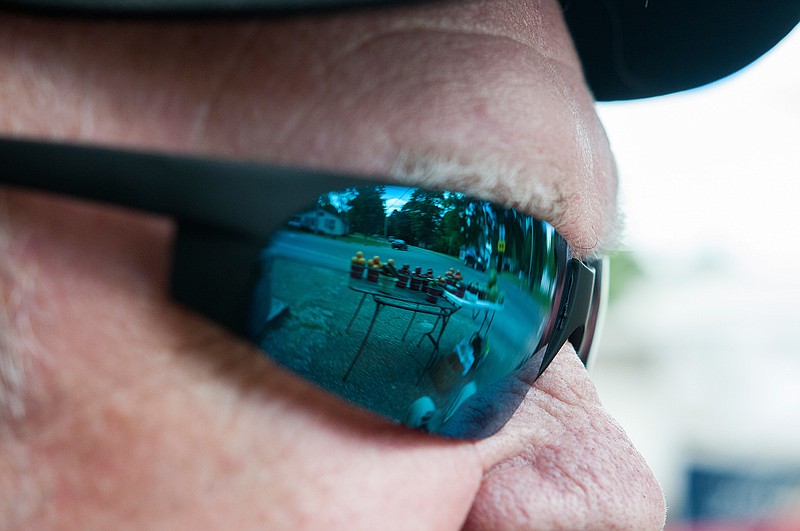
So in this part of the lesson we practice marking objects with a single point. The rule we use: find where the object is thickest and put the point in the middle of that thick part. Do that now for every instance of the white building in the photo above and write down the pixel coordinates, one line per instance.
(323, 222)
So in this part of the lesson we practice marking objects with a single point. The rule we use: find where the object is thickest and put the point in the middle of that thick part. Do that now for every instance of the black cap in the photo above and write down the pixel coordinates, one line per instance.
(640, 48)
(629, 48)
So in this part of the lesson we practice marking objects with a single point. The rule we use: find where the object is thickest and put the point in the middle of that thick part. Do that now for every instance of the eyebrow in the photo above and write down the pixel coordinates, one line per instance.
(489, 180)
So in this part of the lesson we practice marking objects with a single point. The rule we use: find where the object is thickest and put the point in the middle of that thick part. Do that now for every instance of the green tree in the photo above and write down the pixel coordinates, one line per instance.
(399, 225)
(367, 211)
(451, 236)
(425, 215)
(324, 202)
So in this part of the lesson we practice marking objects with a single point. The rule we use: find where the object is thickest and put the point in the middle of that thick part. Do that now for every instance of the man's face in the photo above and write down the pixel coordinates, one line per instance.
(136, 410)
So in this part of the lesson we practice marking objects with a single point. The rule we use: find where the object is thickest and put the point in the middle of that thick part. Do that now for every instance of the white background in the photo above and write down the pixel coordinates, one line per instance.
(700, 360)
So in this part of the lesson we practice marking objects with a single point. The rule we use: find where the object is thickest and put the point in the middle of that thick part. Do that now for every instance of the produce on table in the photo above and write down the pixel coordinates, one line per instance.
(358, 259)
(455, 274)
(375, 262)
(389, 269)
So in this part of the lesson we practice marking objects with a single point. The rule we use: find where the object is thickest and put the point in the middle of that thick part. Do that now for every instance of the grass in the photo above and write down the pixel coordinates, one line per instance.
(363, 239)
(513, 278)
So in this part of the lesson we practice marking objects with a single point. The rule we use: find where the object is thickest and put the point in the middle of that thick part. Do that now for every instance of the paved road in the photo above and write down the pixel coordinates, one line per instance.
(336, 254)
(518, 324)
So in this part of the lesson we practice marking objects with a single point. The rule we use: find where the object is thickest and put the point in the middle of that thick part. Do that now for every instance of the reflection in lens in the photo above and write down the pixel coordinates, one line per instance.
(424, 306)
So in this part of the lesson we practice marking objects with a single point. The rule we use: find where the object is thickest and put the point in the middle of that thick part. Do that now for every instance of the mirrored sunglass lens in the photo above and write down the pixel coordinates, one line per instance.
(426, 307)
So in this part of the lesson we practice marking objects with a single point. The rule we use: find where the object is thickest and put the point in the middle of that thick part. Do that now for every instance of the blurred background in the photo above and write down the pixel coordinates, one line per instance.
(700, 357)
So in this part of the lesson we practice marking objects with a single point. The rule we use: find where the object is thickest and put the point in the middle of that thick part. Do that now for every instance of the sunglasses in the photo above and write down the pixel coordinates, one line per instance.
(429, 307)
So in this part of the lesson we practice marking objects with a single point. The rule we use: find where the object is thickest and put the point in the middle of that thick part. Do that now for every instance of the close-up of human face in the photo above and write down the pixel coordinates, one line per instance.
(123, 409)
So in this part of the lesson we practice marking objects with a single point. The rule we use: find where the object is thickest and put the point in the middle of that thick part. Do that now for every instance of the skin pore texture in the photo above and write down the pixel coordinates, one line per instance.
(123, 410)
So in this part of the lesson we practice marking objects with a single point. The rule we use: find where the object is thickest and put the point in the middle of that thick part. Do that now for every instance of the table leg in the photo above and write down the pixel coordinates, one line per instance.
(429, 334)
(413, 316)
(347, 330)
(378, 307)
(483, 322)
(445, 320)
(491, 320)
(432, 358)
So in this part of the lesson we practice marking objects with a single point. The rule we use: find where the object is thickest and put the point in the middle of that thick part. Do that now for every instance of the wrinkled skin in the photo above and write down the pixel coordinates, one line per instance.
(137, 413)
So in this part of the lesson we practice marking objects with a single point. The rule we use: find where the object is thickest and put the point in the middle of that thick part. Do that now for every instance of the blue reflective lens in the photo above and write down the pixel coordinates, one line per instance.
(427, 307)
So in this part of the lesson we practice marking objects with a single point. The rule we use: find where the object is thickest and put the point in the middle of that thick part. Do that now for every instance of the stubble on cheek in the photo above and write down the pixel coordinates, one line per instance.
(20, 382)
(11, 369)
(35, 355)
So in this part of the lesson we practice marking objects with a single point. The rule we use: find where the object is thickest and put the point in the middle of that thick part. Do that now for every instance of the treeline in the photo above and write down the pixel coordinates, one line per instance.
(447, 222)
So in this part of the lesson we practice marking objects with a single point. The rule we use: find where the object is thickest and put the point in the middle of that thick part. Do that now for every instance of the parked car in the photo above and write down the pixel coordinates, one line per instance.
(475, 262)
(400, 244)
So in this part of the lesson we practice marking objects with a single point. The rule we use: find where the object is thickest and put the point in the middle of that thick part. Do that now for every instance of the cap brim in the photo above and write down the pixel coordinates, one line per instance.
(641, 48)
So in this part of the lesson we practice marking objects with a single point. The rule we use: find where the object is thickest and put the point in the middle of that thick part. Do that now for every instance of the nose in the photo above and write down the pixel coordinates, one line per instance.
(563, 462)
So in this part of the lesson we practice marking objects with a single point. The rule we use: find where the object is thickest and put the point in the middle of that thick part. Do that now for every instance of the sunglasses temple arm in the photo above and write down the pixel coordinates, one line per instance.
(575, 310)
(588, 348)
(213, 273)
(243, 197)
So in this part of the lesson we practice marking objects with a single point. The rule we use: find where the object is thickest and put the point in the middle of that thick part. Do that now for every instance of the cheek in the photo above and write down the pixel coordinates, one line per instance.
(163, 418)
(57, 255)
